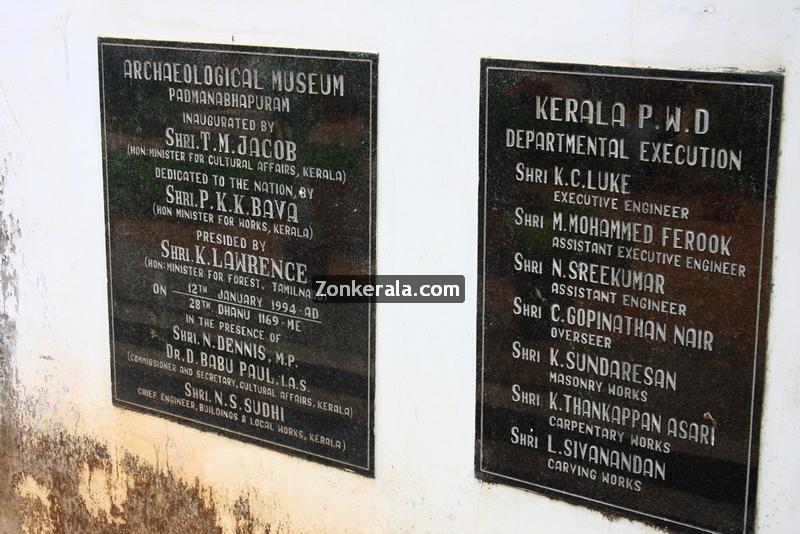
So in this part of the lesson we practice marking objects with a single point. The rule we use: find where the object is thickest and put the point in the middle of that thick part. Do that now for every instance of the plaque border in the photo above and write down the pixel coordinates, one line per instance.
(772, 80)
(368, 469)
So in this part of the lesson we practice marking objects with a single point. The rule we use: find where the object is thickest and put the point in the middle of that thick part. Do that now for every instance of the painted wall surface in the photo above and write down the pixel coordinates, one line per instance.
(70, 462)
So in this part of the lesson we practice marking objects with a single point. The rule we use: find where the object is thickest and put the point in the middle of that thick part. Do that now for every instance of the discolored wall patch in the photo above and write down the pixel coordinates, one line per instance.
(62, 482)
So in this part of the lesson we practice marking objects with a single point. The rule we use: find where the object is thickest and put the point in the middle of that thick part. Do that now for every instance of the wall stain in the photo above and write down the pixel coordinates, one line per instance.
(9, 231)
(61, 482)
(54, 481)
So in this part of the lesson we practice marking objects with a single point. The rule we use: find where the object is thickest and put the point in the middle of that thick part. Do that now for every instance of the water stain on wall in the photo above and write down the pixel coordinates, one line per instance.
(53, 481)
(8, 232)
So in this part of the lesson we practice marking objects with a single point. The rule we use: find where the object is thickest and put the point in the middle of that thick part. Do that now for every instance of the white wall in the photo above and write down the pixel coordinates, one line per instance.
(427, 223)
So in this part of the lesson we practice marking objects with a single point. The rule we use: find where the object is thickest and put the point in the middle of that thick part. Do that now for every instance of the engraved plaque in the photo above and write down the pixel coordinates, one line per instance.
(625, 239)
(233, 175)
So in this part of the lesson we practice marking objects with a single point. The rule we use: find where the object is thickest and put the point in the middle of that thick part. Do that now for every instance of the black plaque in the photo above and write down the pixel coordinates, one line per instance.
(233, 175)
(625, 239)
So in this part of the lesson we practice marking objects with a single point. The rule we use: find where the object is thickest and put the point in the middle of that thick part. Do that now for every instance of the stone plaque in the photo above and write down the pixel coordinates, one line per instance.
(233, 175)
(625, 238)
